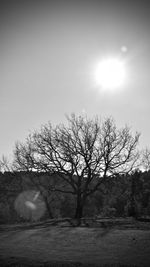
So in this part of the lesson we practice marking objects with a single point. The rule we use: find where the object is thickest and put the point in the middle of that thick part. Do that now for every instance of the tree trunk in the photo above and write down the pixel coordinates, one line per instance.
(132, 210)
(79, 210)
(48, 208)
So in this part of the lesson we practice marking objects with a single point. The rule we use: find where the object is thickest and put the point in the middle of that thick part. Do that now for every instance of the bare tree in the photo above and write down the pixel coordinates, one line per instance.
(84, 153)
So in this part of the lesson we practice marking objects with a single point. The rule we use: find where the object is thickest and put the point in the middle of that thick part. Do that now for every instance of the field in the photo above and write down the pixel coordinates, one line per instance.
(56, 243)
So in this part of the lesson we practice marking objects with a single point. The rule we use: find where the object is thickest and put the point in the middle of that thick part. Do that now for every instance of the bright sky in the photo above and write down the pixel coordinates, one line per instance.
(48, 54)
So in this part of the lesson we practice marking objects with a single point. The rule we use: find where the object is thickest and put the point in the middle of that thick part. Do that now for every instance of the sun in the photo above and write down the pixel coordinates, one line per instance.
(110, 73)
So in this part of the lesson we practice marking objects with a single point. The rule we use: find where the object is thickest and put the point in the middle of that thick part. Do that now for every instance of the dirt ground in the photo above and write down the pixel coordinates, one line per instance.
(110, 245)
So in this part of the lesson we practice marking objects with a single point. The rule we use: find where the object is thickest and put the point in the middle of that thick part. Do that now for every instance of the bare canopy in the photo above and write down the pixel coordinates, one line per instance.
(84, 153)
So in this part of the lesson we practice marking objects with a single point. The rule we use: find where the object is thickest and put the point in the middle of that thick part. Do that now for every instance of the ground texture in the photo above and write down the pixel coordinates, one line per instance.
(107, 243)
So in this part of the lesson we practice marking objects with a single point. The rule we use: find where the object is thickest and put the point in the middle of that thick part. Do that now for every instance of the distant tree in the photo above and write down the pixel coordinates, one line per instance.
(84, 153)
(5, 165)
(146, 159)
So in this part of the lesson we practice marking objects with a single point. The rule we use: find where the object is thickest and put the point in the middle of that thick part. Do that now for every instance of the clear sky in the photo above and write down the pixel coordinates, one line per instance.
(48, 54)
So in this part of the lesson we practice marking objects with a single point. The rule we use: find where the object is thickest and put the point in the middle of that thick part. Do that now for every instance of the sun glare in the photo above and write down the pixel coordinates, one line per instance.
(110, 73)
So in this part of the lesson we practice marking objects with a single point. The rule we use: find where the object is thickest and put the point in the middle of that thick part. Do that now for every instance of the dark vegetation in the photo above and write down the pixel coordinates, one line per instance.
(122, 196)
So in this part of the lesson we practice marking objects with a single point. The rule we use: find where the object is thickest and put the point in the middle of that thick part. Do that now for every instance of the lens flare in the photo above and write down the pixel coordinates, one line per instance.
(30, 205)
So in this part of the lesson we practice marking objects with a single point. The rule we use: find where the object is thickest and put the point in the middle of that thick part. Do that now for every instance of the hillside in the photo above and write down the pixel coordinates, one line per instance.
(124, 243)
